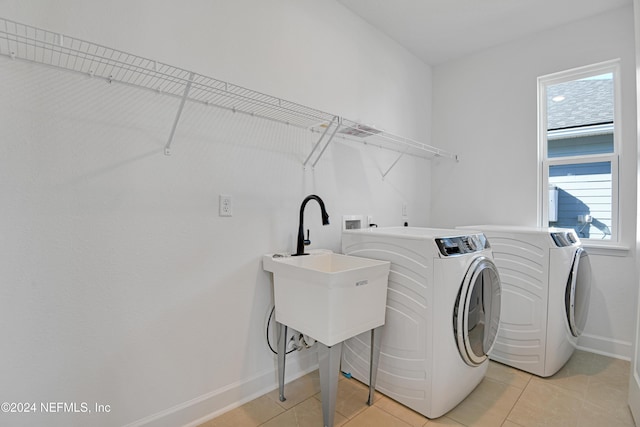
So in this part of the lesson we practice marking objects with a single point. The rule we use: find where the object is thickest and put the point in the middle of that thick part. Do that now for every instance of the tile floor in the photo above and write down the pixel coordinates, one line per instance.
(590, 390)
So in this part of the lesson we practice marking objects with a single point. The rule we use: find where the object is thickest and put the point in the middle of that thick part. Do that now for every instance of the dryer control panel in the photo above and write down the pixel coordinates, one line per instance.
(460, 245)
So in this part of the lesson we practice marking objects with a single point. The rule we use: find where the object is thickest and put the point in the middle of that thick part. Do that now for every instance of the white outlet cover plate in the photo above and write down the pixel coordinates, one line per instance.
(225, 205)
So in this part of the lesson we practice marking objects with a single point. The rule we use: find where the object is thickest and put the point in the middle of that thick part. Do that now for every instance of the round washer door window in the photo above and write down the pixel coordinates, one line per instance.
(476, 314)
(578, 292)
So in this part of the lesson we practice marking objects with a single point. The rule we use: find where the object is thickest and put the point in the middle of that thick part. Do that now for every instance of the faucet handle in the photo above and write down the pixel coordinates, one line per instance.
(307, 242)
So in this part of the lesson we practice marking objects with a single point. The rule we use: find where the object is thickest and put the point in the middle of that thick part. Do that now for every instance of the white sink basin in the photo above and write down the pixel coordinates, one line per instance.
(328, 296)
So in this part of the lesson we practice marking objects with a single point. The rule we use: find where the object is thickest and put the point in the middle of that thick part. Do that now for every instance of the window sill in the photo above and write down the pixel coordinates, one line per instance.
(606, 250)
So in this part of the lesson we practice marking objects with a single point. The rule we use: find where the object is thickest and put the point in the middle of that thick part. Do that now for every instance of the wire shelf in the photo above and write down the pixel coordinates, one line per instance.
(28, 43)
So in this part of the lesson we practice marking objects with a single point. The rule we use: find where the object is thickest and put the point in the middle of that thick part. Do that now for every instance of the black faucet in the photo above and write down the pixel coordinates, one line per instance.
(325, 221)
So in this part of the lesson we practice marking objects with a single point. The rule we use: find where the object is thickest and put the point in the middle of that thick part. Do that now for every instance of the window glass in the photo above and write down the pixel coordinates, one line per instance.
(581, 102)
(574, 146)
(579, 150)
(584, 198)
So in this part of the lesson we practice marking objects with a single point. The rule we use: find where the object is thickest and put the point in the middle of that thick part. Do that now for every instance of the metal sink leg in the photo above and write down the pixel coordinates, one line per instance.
(329, 366)
(376, 336)
(282, 354)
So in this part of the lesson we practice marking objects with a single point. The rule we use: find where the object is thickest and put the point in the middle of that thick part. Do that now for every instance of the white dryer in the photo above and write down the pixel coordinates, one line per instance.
(546, 284)
(443, 311)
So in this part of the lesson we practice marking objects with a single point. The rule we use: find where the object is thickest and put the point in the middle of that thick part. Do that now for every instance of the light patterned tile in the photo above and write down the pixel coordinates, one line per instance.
(608, 397)
(444, 422)
(352, 398)
(574, 375)
(375, 417)
(508, 375)
(298, 390)
(611, 371)
(487, 406)
(398, 410)
(584, 368)
(593, 416)
(250, 414)
(544, 404)
(305, 414)
(589, 391)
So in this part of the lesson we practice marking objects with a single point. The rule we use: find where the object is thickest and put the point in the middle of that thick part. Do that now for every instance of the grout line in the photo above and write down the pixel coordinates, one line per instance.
(517, 400)
(394, 416)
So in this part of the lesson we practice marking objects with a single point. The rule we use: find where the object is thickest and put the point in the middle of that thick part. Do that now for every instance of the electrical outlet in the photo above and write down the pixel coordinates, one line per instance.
(225, 206)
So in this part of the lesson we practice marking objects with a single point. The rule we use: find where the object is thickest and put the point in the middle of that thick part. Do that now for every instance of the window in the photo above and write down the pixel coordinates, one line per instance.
(578, 118)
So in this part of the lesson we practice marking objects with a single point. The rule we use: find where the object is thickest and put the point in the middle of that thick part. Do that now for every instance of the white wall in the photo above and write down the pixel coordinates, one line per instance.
(485, 110)
(120, 283)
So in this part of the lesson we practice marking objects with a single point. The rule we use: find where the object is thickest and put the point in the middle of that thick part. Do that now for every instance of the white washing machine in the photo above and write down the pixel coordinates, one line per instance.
(546, 284)
(443, 311)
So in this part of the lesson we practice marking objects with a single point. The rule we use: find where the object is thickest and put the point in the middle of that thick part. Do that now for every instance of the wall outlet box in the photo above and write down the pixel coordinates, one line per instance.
(225, 205)
(352, 222)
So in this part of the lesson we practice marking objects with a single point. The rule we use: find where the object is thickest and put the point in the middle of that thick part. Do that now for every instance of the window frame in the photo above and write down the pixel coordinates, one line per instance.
(545, 162)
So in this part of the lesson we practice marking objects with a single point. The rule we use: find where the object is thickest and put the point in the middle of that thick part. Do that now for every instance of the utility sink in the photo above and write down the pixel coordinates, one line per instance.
(329, 296)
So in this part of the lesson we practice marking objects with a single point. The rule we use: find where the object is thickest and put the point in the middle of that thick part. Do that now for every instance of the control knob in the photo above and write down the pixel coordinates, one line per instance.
(471, 242)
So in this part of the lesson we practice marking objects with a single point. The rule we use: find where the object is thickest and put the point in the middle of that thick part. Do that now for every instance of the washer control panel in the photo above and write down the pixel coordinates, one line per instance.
(564, 238)
(460, 245)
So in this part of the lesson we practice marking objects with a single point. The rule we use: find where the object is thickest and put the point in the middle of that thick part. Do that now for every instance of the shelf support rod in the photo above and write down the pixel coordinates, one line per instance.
(326, 145)
(393, 164)
(315, 147)
(167, 147)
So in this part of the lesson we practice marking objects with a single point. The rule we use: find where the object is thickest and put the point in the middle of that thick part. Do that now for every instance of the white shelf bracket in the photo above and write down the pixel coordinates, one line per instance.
(393, 164)
(167, 147)
(335, 120)
(327, 144)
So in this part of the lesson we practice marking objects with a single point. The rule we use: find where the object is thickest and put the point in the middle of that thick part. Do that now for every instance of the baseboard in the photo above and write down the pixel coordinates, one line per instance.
(203, 408)
(606, 346)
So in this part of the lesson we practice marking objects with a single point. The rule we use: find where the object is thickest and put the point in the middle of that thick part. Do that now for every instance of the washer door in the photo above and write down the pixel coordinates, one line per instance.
(578, 291)
(476, 315)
